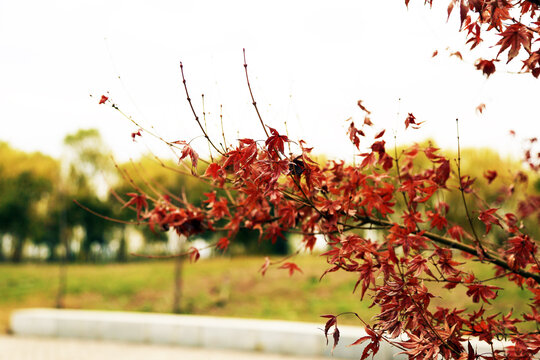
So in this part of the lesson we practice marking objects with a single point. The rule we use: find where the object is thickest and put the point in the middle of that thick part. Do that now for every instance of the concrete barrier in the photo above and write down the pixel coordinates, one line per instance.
(279, 337)
(268, 336)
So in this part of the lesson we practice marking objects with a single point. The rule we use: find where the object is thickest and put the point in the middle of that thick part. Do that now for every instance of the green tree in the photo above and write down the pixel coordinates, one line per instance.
(18, 213)
(87, 171)
(26, 190)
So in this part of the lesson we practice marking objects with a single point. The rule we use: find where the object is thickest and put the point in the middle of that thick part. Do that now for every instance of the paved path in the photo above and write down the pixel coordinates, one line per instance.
(29, 348)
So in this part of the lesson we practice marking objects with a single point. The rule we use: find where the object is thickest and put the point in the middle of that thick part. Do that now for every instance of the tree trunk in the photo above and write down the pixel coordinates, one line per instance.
(1, 247)
(178, 281)
(62, 280)
(62, 269)
(18, 247)
(121, 254)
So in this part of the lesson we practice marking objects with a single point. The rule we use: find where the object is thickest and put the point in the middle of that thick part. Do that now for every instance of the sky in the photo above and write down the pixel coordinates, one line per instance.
(309, 63)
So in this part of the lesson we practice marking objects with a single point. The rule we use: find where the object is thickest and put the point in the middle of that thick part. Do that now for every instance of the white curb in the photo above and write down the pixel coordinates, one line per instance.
(268, 336)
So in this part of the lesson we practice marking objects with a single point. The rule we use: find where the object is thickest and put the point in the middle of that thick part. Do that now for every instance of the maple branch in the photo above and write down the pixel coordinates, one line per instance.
(526, 26)
(106, 217)
(129, 179)
(172, 256)
(141, 176)
(462, 191)
(310, 203)
(456, 245)
(253, 98)
(162, 188)
(194, 113)
(275, 262)
(117, 108)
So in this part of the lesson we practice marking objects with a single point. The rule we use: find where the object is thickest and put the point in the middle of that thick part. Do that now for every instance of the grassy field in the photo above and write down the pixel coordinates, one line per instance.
(219, 286)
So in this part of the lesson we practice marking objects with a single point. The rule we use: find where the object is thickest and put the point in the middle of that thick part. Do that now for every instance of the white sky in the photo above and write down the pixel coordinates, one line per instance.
(309, 63)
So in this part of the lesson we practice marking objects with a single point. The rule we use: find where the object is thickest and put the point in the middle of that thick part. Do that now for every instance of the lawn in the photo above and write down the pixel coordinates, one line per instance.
(218, 286)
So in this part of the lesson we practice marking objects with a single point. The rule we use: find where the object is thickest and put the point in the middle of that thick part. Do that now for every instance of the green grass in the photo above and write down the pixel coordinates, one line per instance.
(219, 286)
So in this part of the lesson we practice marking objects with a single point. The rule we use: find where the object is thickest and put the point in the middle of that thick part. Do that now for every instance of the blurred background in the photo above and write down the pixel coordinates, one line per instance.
(309, 62)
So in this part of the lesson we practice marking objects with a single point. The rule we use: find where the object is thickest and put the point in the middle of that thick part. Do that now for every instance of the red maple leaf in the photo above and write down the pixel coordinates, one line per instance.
(353, 133)
(411, 120)
(265, 266)
(490, 175)
(486, 66)
(457, 54)
(359, 103)
(437, 221)
(514, 37)
(430, 153)
(194, 254)
(103, 99)
(456, 232)
(480, 108)
(442, 173)
(139, 201)
(511, 221)
(276, 142)
(332, 321)
(214, 170)
(522, 251)
(367, 121)
(466, 183)
(373, 347)
(188, 151)
(484, 292)
(223, 243)
(488, 218)
(292, 267)
(135, 134)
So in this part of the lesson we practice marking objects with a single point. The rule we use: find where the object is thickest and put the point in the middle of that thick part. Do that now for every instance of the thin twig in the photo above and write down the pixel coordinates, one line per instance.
(252, 97)
(462, 191)
(206, 128)
(222, 129)
(193, 110)
(106, 217)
